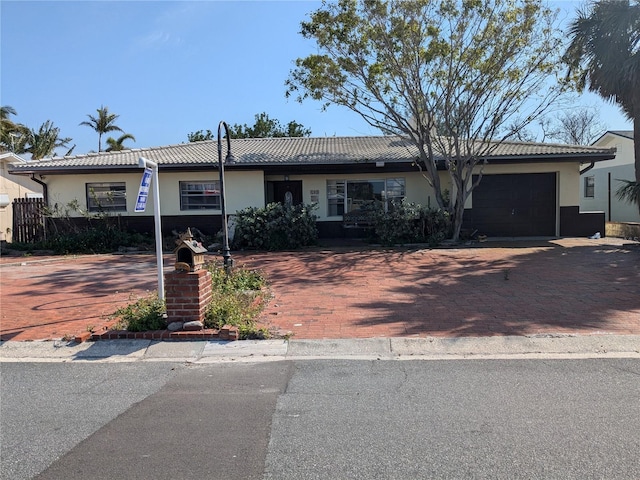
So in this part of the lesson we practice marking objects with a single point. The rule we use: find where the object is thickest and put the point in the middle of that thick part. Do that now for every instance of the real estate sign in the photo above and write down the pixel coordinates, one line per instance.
(143, 192)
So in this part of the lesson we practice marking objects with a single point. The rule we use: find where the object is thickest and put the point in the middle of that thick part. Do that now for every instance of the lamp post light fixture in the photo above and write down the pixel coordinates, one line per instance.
(226, 253)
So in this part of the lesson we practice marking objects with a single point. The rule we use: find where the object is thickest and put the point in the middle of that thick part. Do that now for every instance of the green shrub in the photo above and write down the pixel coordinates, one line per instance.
(144, 314)
(275, 227)
(407, 222)
(72, 229)
(237, 300)
(239, 280)
(98, 239)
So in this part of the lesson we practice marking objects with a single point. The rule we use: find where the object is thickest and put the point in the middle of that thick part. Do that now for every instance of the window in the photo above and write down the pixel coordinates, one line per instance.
(107, 197)
(345, 196)
(589, 187)
(394, 191)
(199, 195)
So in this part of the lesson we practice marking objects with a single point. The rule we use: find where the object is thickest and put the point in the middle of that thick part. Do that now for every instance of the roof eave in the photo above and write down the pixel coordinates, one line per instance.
(373, 165)
(580, 158)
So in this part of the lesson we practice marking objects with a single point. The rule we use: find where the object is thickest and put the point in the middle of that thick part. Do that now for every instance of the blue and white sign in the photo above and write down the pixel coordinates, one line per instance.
(143, 193)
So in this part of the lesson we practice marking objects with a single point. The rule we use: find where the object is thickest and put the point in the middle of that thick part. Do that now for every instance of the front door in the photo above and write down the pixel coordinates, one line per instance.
(287, 192)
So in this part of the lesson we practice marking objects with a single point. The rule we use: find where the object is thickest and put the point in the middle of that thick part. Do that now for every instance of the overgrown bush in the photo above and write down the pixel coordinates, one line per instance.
(144, 314)
(237, 300)
(407, 222)
(239, 280)
(95, 239)
(276, 227)
(90, 232)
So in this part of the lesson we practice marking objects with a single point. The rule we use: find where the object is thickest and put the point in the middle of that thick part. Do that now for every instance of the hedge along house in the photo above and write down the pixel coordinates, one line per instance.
(527, 189)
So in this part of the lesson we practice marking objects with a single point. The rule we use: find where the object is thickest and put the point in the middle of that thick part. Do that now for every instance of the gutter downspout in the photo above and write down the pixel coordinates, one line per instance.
(45, 189)
(587, 168)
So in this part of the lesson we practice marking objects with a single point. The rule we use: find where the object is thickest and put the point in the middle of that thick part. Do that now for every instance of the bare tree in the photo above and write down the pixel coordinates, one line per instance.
(581, 126)
(577, 127)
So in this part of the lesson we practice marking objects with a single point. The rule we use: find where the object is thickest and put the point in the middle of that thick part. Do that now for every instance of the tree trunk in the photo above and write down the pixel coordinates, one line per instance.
(458, 214)
(431, 172)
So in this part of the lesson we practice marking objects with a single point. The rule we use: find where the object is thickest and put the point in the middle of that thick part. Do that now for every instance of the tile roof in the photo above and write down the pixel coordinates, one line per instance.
(11, 157)
(295, 151)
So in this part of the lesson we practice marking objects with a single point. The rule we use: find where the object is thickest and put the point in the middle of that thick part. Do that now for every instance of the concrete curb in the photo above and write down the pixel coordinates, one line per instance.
(558, 346)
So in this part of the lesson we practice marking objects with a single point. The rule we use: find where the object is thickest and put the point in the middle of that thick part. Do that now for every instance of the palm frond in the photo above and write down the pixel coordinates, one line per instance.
(629, 192)
(604, 52)
(118, 145)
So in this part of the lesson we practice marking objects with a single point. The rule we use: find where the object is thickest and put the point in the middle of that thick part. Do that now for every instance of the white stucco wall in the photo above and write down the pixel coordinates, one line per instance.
(243, 189)
(247, 188)
(620, 168)
(14, 186)
(417, 188)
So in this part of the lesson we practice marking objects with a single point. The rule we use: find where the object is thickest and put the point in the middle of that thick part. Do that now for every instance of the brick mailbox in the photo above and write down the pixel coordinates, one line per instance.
(188, 288)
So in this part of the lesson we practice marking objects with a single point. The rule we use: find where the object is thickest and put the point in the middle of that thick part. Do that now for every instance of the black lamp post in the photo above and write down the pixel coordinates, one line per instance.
(226, 253)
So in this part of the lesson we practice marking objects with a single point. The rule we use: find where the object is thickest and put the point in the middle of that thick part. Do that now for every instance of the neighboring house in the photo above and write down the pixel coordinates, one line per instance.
(12, 187)
(598, 186)
(527, 189)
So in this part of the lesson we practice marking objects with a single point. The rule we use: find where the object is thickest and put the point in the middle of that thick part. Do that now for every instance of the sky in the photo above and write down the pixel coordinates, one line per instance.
(168, 68)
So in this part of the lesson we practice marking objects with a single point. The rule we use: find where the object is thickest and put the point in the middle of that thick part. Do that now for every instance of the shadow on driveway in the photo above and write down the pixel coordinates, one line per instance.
(571, 286)
(566, 286)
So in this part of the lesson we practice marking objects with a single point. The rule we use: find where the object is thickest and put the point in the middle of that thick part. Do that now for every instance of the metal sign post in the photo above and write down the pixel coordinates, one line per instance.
(151, 171)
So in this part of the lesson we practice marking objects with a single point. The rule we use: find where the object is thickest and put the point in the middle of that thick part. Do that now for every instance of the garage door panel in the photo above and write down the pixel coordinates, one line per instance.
(515, 205)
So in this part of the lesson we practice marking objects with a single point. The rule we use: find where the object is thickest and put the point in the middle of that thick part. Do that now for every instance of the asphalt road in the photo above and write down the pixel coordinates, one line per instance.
(322, 419)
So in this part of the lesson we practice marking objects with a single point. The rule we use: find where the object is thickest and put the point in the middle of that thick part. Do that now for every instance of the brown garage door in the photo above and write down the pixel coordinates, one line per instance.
(515, 205)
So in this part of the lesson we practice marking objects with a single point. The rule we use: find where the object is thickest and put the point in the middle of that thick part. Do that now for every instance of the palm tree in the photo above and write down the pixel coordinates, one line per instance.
(103, 123)
(12, 135)
(604, 53)
(44, 141)
(117, 145)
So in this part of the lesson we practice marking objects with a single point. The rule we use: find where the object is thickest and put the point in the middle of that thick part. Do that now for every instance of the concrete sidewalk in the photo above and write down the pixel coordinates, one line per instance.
(593, 346)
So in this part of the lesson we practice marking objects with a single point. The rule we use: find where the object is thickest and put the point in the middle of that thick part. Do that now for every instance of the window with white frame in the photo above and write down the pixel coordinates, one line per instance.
(106, 197)
(345, 196)
(203, 195)
(589, 187)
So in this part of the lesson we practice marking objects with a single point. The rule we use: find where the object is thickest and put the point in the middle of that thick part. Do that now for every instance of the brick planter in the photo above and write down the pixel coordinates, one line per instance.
(187, 295)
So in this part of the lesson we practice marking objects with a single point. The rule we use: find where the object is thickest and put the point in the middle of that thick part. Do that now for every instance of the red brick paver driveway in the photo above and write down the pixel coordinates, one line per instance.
(576, 286)
(54, 297)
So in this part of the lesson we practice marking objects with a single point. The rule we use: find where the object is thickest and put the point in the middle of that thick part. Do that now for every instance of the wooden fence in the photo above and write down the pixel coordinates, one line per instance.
(28, 220)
